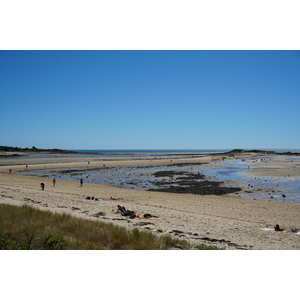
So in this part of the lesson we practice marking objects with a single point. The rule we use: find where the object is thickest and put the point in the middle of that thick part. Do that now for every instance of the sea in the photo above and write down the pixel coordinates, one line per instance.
(145, 152)
(130, 153)
(150, 152)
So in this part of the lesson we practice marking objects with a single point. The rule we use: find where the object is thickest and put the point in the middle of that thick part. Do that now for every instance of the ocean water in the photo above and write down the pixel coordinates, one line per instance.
(150, 152)
(141, 152)
(172, 151)
(126, 153)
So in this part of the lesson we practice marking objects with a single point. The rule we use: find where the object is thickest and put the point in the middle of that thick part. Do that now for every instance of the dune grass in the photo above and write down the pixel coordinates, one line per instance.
(27, 228)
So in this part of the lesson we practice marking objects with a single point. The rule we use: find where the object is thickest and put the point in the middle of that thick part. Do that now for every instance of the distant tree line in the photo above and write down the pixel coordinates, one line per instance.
(255, 151)
(33, 149)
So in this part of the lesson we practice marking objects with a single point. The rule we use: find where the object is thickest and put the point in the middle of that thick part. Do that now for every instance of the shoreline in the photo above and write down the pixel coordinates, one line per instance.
(225, 221)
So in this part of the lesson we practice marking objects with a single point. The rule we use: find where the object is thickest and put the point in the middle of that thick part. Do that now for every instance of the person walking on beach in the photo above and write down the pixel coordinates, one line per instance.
(42, 186)
(81, 182)
(54, 181)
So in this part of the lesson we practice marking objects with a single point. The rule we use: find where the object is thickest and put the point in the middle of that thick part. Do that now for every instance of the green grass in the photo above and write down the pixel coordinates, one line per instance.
(27, 228)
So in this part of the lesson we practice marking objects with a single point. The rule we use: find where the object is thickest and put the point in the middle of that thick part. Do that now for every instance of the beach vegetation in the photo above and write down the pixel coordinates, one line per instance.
(237, 150)
(250, 151)
(27, 228)
(33, 149)
(207, 247)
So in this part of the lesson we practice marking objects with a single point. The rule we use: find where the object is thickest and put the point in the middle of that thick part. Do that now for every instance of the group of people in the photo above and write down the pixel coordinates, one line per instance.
(54, 182)
(43, 184)
(131, 213)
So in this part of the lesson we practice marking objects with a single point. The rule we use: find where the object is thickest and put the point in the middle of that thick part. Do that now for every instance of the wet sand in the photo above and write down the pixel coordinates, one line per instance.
(280, 167)
(226, 221)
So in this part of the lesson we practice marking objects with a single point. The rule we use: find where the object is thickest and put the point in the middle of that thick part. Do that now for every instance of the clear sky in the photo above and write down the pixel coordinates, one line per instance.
(150, 99)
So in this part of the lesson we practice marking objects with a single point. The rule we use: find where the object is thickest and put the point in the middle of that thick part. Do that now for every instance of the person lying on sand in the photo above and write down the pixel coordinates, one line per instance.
(132, 214)
(147, 216)
(277, 228)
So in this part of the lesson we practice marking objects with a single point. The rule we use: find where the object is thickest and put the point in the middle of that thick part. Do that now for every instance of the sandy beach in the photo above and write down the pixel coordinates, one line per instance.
(227, 221)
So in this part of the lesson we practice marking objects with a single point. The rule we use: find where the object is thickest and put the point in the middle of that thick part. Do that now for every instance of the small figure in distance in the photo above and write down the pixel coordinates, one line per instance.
(42, 186)
(293, 230)
(54, 181)
(81, 182)
(277, 228)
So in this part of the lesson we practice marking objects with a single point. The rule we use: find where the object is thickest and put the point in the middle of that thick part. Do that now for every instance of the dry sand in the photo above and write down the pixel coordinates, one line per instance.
(226, 221)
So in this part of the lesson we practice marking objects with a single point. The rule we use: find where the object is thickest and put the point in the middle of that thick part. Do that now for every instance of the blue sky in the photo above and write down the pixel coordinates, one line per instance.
(150, 99)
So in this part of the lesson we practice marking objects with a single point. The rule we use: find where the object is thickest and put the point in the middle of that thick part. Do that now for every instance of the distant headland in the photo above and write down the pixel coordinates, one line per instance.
(17, 151)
